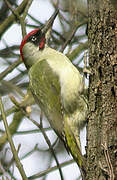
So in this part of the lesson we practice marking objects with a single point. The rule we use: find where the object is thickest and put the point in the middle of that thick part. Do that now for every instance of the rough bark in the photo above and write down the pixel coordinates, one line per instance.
(102, 120)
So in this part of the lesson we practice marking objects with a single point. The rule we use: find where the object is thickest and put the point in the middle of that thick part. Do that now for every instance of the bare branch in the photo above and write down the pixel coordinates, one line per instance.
(18, 163)
(9, 21)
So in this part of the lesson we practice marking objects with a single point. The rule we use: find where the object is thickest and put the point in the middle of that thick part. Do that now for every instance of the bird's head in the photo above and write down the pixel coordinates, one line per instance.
(34, 42)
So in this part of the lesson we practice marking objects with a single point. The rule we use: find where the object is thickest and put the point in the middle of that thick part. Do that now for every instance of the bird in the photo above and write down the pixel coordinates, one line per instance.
(57, 87)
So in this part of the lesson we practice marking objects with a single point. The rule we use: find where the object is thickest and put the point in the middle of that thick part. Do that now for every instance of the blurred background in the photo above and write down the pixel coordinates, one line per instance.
(68, 36)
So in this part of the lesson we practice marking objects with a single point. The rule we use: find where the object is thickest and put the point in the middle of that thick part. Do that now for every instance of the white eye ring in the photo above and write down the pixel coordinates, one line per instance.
(34, 38)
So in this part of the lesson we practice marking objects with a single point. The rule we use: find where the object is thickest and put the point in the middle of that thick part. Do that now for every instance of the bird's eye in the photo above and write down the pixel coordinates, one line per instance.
(33, 38)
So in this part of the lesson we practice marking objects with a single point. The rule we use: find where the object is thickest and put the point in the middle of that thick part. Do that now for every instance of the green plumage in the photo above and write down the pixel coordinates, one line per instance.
(45, 86)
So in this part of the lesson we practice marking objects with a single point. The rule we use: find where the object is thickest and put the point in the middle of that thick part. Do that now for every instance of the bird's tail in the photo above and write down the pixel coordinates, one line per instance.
(73, 146)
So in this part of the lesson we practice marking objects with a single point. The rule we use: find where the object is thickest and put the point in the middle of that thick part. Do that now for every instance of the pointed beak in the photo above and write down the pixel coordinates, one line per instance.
(49, 23)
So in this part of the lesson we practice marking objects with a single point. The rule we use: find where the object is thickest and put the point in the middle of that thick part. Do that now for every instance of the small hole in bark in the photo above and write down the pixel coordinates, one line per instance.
(113, 91)
(100, 72)
(100, 55)
(113, 26)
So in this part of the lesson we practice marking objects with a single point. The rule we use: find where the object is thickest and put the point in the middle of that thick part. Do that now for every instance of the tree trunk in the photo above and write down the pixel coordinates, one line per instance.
(102, 120)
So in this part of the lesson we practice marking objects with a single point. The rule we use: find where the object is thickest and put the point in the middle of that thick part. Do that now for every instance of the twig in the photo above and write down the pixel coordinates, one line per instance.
(38, 175)
(28, 100)
(16, 14)
(41, 118)
(10, 163)
(12, 127)
(21, 19)
(46, 150)
(108, 160)
(18, 163)
(10, 7)
(13, 87)
(77, 51)
(8, 51)
(32, 131)
(8, 22)
(10, 68)
(29, 153)
(10, 111)
(2, 168)
(27, 8)
(76, 26)
(101, 166)
(43, 132)
(69, 39)
(49, 144)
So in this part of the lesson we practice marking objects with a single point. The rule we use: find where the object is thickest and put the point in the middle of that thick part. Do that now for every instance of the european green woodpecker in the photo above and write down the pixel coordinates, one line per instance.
(57, 87)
